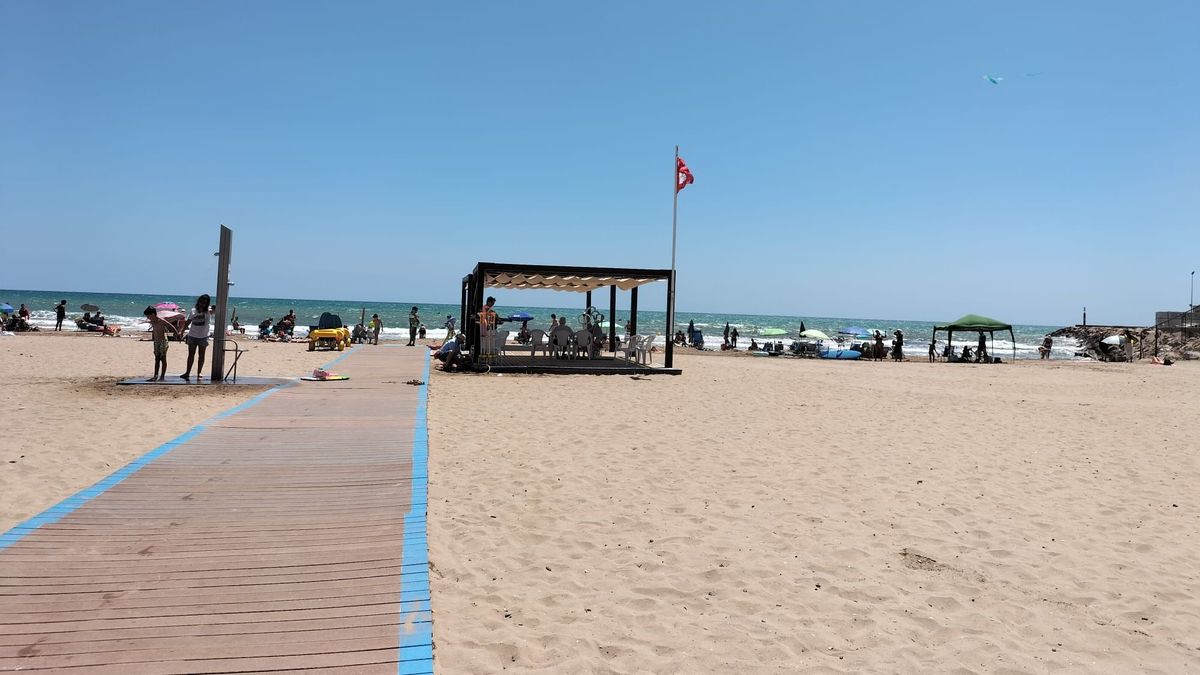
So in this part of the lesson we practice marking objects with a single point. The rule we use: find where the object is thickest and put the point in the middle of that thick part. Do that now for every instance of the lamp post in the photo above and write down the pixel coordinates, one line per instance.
(1192, 291)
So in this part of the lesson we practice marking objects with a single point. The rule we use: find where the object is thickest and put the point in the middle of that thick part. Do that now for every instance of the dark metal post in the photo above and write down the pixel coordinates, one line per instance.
(612, 318)
(462, 309)
(587, 303)
(218, 353)
(474, 337)
(669, 360)
(633, 311)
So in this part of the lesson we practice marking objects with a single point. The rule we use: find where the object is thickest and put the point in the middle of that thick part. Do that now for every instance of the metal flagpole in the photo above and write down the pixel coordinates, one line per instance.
(671, 299)
(674, 210)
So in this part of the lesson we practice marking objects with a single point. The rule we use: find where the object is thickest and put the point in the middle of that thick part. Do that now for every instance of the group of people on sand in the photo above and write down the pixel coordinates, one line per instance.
(369, 334)
(198, 324)
(731, 338)
(18, 321)
(92, 322)
(282, 330)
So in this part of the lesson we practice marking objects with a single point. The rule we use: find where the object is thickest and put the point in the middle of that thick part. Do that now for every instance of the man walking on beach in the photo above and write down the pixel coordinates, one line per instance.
(449, 326)
(414, 322)
(60, 313)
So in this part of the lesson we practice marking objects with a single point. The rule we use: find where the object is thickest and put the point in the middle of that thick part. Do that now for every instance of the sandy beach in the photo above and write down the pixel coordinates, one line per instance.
(752, 514)
(770, 515)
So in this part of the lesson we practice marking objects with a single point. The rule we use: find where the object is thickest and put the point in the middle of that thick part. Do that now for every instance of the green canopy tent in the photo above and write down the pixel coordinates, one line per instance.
(974, 323)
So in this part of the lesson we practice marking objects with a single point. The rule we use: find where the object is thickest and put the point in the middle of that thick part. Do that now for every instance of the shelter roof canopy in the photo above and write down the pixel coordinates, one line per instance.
(560, 282)
(975, 322)
(561, 278)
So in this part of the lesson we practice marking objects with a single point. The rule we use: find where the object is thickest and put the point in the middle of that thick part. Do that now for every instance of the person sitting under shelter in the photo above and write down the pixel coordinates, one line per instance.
(598, 339)
(560, 336)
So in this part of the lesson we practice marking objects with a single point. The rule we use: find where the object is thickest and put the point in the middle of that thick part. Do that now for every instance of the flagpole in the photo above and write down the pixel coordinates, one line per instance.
(674, 223)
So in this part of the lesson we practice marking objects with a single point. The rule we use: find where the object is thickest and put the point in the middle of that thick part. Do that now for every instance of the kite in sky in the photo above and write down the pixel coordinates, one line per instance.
(993, 80)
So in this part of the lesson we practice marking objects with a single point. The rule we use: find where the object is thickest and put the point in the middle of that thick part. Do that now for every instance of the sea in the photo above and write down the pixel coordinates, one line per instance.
(126, 309)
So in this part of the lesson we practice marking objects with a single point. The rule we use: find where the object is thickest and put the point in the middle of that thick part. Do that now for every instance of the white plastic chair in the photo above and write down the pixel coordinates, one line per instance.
(500, 338)
(559, 339)
(487, 343)
(645, 345)
(630, 348)
(537, 340)
(583, 343)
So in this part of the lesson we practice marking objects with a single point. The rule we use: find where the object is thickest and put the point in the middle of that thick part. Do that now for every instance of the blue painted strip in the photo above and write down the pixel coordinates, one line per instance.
(346, 353)
(74, 502)
(416, 639)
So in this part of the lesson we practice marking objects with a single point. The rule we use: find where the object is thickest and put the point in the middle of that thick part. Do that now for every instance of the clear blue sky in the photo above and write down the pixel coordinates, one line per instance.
(850, 159)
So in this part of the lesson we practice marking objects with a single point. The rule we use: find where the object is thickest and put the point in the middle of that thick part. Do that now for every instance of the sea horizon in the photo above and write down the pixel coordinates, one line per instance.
(125, 309)
(6, 295)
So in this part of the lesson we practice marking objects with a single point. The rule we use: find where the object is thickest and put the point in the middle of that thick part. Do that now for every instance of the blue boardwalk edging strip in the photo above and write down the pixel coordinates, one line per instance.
(416, 628)
(71, 504)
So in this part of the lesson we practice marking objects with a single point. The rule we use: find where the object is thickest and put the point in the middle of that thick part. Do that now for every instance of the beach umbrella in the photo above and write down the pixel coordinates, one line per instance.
(89, 308)
(519, 316)
(801, 326)
(169, 314)
(6, 308)
(1114, 340)
(852, 330)
(769, 332)
(814, 334)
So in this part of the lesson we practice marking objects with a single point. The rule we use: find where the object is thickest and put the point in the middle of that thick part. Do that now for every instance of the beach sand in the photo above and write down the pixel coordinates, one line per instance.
(775, 515)
(67, 424)
(752, 514)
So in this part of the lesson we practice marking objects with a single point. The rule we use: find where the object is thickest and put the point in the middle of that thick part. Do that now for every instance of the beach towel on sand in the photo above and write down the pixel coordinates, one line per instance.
(319, 375)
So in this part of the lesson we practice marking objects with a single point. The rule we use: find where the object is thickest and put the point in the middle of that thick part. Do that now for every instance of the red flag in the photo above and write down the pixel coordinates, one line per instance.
(683, 175)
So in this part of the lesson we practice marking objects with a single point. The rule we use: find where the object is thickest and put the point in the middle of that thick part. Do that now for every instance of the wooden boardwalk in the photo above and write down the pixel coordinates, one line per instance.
(286, 535)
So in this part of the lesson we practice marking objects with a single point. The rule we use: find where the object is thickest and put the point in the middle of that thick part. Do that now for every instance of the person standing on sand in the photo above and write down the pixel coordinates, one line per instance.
(414, 324)
(158, 328)
(898, 345)
(60, 313)
(199, 328)
(376, 326)
(932, 351)
(733, 338)
(725, 334)
(449, 326)
(1129, 342)
(1044, 350)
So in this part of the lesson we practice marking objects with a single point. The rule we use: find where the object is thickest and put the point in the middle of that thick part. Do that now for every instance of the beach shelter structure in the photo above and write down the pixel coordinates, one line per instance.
(974, 323)
(586, 280)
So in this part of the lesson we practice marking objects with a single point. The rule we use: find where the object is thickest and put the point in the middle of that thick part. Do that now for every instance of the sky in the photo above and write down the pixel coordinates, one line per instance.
(850, 158)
